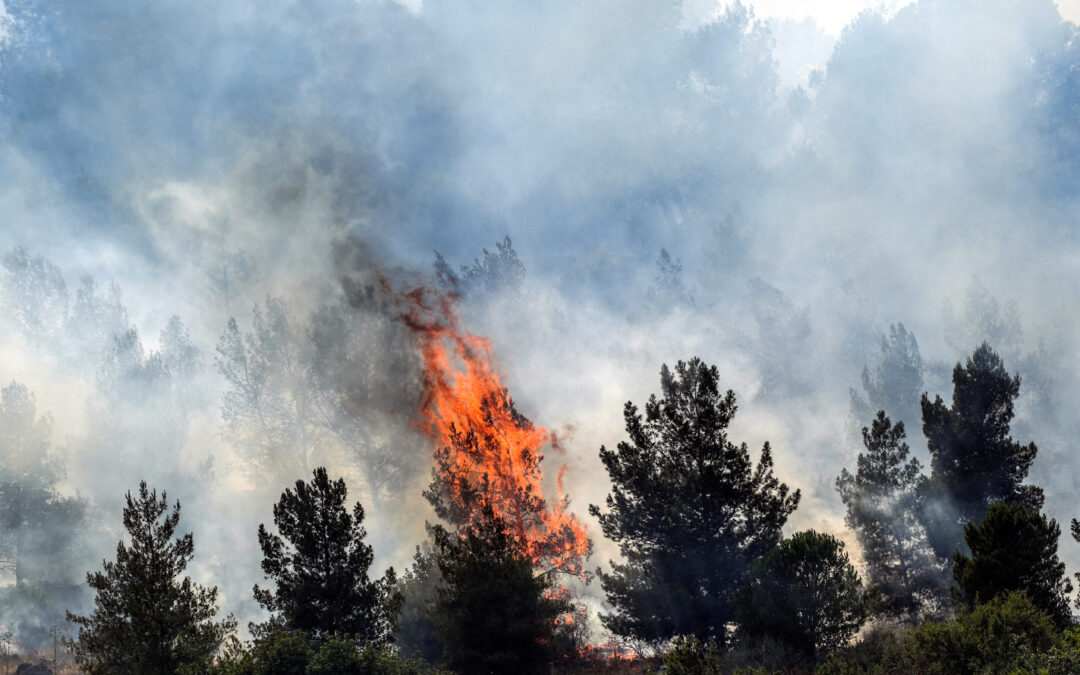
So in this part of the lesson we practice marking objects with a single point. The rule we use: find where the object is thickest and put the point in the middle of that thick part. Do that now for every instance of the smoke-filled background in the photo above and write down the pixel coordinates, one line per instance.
(773, 187)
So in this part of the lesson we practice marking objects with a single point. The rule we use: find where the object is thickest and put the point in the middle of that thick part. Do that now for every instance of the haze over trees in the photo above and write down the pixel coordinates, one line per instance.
(884, 499)
(302, 391)
(891, 154)
(895, 384)
(974, 461)
(40, 529)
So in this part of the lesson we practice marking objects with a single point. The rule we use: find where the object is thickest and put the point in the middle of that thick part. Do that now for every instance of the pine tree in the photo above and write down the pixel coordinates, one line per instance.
(1014, 548)
(882, 500)
(805, 594)
(493, 614)
(146, 621)
(975, 463)
(689, 510)
(319, 564)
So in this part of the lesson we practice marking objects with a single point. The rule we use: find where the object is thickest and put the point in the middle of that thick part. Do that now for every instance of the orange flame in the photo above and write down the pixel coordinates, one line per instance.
(488, 452)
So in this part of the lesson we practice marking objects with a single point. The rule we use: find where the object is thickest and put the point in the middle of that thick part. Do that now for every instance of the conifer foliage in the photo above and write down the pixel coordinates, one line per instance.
(883, 499)
(975, 463)
(689, 510)
(319, 564)
(492, 612)
(1014, 548)
(146, 620)
(805, 594)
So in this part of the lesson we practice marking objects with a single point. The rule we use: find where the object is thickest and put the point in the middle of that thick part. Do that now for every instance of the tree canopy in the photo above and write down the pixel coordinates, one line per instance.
(493, 614)
(689, 510)
(145, 619)
(805, 593)
(1014, 548)
(974, 461)
(883, 500)
(319, 564)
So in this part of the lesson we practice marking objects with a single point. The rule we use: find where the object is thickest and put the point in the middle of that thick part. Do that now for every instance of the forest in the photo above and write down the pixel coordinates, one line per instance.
(956, 568)
(539, 336)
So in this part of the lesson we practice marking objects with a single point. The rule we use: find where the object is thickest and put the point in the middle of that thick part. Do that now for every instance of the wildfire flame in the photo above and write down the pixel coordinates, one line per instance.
(488, 452)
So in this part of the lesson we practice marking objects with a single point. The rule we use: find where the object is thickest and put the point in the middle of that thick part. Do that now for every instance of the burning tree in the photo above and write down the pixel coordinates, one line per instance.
(492, 612)
(489, 455)
(689, 510)
(488, 474)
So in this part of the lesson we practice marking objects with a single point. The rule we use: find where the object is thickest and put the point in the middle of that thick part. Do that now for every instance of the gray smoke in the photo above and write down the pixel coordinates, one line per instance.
(673, 182)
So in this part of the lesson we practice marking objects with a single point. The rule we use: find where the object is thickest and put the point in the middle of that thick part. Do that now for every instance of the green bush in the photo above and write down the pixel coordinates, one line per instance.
(690, 656)
(1006, 636)
(293, 653)
(992, 638)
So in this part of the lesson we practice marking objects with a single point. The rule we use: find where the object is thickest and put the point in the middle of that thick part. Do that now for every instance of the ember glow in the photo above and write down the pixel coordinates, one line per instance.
(488, 453)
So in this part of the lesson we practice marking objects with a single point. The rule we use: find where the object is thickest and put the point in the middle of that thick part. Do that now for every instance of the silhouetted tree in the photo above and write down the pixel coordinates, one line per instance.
(145, 620)
(319, 564)
(1014, 548)
(688, 509)
(974, 461)
(882, 500)
(805, 593)
(493, 614)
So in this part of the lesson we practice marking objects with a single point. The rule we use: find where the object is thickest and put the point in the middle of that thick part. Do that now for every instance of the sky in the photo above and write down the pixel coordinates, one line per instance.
(820, 172)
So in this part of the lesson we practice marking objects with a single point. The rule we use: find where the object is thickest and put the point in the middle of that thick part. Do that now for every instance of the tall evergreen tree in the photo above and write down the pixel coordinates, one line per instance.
(493, 614)
(689, 510)
(319, 564)
(1014, 548)
(882, 500)
(146, 621)
(805, 594)
(975, 463)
